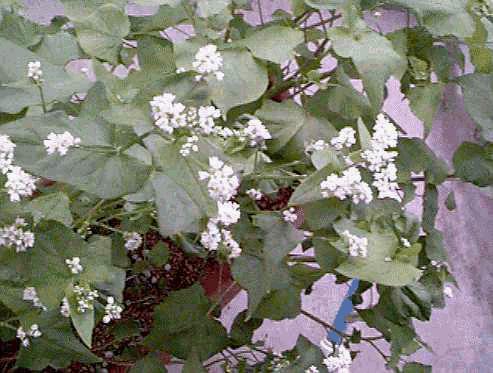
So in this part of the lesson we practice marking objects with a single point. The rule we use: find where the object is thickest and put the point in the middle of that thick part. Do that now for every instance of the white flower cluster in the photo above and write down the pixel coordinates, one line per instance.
(133, 240)
(65, 308)
(112, 311)
(316, 145)
(15, 236)
(60, 143)
(34, 71)
(405, 242)
(448, 292)
(74, 265)
(254, 194)
(208, 61)
(222, 186)
(289, 215)
(6, 153)
(30, 295)
(358, 246)
(255, 132)
(345, 139)
(168, 115)
(312, 369)
(279, 363)
(347, 185)
(23, 336)
(338, 359)
(19, 184)
(85, 298)
(381, 161)
(190, 146)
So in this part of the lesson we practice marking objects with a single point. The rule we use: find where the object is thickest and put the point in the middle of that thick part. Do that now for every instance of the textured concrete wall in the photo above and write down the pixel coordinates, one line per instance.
(462, 334)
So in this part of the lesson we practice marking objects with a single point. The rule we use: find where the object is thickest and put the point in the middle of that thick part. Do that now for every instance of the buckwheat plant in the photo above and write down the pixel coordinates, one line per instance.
(153, 166)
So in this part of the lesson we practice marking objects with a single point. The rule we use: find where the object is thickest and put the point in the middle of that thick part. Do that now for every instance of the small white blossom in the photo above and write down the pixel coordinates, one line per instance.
(289, 215)
(65, 308)
(385, 134)
(168, 115)
(316, 146)
(312, 369)
(228, 213)
(230, 243)
(358, 246)
(85, 298)
(211, 237)
(348, 185)
(345, 139)
(223, 183)
(6, 153)
(19, 184)
(31, 295)
(189, 146)
(74, 265)
(180, 70)
(256, 132)
(377, 158)
(133, 240)
(112, 311)
(208, 61)
(206, 117)
(254, 194)
(405, 242)
(337, 359)
(60, 143)
(387, 259)
(23, 336)
(447, 290)
(34, 71)
(15, 236)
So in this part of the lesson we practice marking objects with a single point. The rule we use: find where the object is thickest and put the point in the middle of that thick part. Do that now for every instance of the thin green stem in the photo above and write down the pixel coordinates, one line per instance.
(42, 96)
(260, 12)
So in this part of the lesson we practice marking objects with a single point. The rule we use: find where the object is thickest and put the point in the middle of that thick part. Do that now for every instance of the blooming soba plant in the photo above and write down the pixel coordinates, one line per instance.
(197, 143)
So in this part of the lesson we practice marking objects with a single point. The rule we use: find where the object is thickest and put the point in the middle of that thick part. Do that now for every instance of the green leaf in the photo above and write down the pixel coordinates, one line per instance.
(450, 201)
(193, 364)
(53, 206)
(416, 368)
(75, 10)
(208, 8)
(430, 207)
(474, 163)
(159, 254)
(325, 4)
(242, 330)
(477, 90)
(103, 171)
(374, 57)
(280, 304)
(425, 101)
(58, 48)
(274, 43)
(83, 322)
(101, 33)
(150, 363)
(434, 246)
(240, 70)
(446, 17)
(321, 214)
(171, 3)
(19, 30)
(292, 128)
(182, 326)
(328, 257)
(308, 355)
(374, 268)
(16, 90)
(155, 55)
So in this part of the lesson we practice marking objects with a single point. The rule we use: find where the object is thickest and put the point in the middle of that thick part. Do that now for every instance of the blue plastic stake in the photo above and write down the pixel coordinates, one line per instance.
(342, 314)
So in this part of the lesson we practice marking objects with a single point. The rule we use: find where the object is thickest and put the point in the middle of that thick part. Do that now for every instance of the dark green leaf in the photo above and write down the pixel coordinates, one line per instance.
(474, 163)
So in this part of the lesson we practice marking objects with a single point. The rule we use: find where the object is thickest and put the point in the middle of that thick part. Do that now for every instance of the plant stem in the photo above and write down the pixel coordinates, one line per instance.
(42, 96)
(260, 12)
(323, 323)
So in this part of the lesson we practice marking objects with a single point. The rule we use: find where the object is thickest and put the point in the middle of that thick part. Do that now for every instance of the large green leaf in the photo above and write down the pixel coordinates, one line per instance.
(474, 163)
(101, 33)
(16, 90)
(373, 56)
(375, 267)
(103, 171)
(292, 128)
(151, 363)
(155, 55)
(477, 90)
(445, 17)
(53, 206)
(274, 43)
(19, 30)
(181, 325)
(58, 48)
(425, 101)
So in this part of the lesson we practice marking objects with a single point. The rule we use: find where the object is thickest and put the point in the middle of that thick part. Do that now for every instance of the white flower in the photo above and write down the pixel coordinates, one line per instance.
(231, 244)
(85, 298)
(289, 215)
(223, 183)
(254, 194)
(206, 116)
(190, 146)
(337, 359)
(60, 143)
(208, 61)
(65, 308)
(447, 290)
(133, 240)
(227, 213)
(405, 242)
(19, 184)
(256, 132)
(23, 336)
(312, 369)
(31, 295)
(211, 237)
(344, 139)
(112, 311)
(180, 70)
(348, 185)
(34, 71)
(34, 331)
(316, 146)
(15, 236)
(6, 153)
(358, 246)
(377, 158)
(168, 115)
(74, 265)
(385, 134)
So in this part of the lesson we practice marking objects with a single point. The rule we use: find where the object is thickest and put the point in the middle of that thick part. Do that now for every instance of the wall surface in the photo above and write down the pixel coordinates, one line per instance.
(462, 334)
